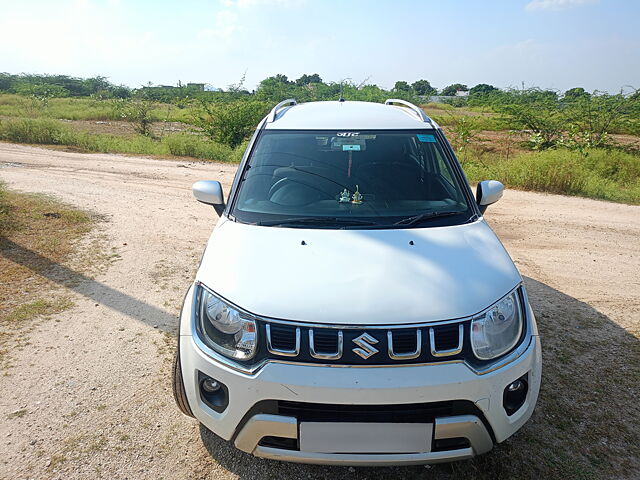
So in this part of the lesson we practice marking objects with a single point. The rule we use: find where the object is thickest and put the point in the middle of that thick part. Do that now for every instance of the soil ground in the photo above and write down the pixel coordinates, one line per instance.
(90, 396)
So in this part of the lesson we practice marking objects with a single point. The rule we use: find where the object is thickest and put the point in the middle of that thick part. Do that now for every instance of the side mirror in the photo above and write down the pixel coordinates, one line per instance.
(488, 192)
(209, 192)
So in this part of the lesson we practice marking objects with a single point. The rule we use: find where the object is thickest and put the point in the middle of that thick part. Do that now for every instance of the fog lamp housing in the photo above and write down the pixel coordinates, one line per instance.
(515, 394)
(213, 393)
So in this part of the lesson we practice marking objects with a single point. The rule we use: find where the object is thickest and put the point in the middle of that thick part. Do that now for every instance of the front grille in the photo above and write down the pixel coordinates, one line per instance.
(370, 346)
(282, 337)
(447, 338)
(325, 340)
(404, 341)
(408, 413)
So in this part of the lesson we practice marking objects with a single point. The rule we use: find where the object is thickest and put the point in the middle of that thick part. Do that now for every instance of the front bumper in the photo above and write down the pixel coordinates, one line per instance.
(243, 423)
(261, 425)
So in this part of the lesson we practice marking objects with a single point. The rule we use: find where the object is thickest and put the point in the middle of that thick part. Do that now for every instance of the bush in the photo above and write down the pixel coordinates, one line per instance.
(139, 113)
(580, 122)
(238, 152)
(230, 123)
(541, 116)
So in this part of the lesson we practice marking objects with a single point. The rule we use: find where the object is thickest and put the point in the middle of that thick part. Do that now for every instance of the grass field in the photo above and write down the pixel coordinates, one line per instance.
(38, 231)
(80, 109)
(485, 146)
(43, 131)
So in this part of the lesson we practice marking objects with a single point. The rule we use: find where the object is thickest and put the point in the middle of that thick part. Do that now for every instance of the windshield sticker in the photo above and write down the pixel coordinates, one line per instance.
(423, 137)
(347, 134)
(352, 148)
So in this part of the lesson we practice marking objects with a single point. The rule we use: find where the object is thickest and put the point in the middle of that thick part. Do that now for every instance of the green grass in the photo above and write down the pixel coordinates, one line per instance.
(189, 145)
(477, 118)
(37, 308)
(81, 109)
(603, 174)
(52, 132)
(37, 233)
(7, 220)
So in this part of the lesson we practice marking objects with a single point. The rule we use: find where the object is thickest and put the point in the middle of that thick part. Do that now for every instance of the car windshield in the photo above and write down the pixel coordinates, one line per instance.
(350, 178)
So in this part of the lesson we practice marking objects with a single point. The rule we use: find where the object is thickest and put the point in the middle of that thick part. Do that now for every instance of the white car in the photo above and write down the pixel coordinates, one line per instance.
(352, 305)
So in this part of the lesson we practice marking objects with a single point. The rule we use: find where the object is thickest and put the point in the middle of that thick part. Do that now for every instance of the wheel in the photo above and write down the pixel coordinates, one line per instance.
(179, 394)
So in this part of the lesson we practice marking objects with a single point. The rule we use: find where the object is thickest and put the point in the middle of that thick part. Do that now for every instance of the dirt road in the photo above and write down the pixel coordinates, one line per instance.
(94, 379)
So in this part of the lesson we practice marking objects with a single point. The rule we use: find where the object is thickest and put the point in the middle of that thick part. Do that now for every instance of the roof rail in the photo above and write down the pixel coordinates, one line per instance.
(274, 111)
(414, 108)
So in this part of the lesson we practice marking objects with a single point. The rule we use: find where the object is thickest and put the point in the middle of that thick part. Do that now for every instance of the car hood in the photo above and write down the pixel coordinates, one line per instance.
(358, 277)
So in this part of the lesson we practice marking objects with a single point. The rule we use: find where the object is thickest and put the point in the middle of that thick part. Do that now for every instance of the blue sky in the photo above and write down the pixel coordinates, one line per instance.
(548, 43)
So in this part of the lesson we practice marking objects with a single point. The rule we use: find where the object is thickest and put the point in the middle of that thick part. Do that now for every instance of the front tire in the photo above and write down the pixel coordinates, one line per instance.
(179, 393)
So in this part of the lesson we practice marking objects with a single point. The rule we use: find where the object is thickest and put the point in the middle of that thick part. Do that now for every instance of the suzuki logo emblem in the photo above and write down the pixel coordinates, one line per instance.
(365, 343)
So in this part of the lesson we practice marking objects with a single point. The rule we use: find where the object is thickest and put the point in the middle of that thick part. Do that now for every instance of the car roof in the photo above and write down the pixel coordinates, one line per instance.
(347, 115)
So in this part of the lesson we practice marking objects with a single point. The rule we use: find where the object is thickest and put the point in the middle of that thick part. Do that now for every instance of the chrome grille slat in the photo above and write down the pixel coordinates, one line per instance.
(449, 352)
(284, 352)
(404, 356)
(323, 355)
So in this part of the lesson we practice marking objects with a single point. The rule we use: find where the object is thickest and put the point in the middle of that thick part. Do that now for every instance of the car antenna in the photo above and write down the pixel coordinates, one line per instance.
(341, 99)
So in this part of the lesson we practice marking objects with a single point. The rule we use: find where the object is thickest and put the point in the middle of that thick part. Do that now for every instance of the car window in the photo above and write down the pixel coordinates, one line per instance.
(375, 175)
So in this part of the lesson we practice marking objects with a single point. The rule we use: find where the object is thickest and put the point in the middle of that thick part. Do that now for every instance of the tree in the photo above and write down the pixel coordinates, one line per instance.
(307, 79)
(276, 88)
(423, 87)
(41, 90)
(451, 90)
(575, 93)
(401, 86)
(96, 84)
(6, 80)
(120, 91)
(281, 78)
(482, 89)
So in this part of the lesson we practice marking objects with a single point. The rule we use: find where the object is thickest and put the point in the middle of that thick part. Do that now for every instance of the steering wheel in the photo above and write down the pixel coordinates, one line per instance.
(277, 186)
(291, 192)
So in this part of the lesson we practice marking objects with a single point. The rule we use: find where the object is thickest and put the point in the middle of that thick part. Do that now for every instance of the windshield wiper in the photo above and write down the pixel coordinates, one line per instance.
(424, 216)
(323, 221)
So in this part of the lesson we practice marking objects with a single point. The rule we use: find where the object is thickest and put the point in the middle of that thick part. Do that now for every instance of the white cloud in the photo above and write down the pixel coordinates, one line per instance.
(227, 21)
(226, 24)
(536, 5)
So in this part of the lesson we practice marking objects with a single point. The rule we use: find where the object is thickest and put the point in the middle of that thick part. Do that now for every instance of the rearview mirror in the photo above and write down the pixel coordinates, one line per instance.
(488, 192)
(209, 192)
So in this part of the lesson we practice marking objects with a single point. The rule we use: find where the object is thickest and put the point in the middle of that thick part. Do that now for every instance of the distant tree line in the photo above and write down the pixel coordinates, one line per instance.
(308, 87)
(61, 86)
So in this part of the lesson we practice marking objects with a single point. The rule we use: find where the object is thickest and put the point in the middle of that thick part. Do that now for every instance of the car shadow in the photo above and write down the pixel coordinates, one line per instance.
(585, 424)
(88, 287)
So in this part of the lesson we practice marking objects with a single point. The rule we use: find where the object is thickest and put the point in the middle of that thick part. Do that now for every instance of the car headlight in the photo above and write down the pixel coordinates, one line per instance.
(224, 328)
(497, 330)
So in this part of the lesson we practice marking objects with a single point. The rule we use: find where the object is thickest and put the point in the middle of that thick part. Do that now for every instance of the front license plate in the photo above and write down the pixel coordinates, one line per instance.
(345, 437)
